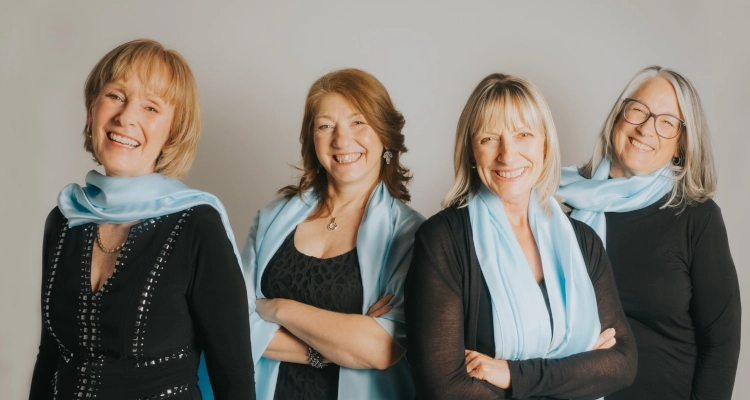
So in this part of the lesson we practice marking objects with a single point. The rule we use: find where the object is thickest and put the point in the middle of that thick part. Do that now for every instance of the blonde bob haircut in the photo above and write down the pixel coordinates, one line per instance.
(516, 102)
(695, 176)
(167, 75)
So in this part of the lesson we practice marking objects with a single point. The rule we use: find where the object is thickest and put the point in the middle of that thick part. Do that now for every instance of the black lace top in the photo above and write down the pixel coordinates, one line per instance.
(332, 284)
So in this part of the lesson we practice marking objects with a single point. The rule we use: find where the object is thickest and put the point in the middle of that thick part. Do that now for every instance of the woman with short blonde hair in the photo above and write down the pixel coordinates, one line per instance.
(166, 73)
(141, 274)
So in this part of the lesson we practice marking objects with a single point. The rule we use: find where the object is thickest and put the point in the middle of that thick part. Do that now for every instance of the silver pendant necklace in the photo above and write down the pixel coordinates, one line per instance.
(332, 226)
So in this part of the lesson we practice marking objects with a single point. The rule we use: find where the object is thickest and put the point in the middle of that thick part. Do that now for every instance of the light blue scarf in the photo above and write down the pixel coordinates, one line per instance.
(384, 249)
(106, 199)
(591, 198)
(521, 321)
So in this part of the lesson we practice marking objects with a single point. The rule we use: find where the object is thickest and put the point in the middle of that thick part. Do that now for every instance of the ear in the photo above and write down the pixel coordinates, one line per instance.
(90, 113)
(680, 146)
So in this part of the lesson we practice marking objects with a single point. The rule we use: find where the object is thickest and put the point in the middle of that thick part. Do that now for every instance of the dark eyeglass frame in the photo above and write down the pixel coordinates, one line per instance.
(650, 114)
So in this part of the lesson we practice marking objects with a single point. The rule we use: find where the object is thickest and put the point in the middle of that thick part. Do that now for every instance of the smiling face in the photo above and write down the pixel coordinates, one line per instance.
(638, 149)
(130, 126)
(345, 144)
(509, 159)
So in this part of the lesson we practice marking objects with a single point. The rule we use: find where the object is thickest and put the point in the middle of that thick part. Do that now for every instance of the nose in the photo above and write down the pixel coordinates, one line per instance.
(646, 128)
(341, 136)
(128, 114)
(507, 151)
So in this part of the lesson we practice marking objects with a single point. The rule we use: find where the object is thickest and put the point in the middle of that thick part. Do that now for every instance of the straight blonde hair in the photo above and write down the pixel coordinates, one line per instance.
(518, 102)
(167, 74)
(695, 176)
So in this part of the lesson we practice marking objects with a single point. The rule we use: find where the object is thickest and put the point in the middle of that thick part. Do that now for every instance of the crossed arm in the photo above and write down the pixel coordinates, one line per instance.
(442, 366)
(348, 340)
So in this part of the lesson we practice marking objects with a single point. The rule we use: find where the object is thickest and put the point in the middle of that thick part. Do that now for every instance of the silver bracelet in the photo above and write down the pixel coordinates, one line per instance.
(314, 358)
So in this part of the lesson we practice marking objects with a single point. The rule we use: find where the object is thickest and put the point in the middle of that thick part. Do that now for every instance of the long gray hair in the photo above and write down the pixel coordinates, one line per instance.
(695, 177)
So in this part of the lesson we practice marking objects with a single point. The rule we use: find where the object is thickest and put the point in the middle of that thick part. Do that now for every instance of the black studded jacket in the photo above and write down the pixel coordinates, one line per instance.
(176, 290)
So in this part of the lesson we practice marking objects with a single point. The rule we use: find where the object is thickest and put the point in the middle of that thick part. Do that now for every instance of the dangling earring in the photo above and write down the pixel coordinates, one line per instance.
(387, 155)
(677, 160)
(473, 164)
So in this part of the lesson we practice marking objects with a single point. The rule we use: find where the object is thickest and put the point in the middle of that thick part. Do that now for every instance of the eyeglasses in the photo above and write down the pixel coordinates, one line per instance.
(637, 113)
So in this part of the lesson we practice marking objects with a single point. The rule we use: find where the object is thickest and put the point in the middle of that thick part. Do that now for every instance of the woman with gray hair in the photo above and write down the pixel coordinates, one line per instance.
(506, 296)
(647, 192)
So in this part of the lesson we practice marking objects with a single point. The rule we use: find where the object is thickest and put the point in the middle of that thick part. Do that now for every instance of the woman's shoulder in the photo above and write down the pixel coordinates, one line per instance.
(404, 211)
(204, 218)
(287, 204)
(53, 223)
(54, 217)
(202, 211)
(589, 242)
(705, 216)
(448, 221)
(704, 209)
(583, 231)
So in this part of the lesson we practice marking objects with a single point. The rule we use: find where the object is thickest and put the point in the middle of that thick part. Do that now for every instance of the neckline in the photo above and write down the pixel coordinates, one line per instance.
(293, 246)
(641, 212)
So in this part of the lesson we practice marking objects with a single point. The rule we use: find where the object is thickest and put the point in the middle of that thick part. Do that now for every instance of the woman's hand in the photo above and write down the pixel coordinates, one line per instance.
(480, 366)
(606, 340)
(381, 307)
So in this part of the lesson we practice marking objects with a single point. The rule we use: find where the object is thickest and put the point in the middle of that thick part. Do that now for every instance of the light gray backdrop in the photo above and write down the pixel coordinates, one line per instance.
(254, 62)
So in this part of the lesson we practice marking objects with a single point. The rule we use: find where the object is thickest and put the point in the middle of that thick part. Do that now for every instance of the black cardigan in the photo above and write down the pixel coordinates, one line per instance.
(448, 308)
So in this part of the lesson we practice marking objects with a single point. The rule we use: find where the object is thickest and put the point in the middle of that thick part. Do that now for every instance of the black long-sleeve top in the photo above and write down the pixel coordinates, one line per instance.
(679, 289)
(448, 309)
(177, 289)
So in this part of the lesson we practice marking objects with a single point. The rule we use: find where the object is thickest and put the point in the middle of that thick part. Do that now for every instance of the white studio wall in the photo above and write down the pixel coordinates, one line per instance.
(254, 62)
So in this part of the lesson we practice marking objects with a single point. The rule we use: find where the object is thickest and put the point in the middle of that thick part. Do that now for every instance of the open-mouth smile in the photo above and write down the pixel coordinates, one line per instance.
(122, 141)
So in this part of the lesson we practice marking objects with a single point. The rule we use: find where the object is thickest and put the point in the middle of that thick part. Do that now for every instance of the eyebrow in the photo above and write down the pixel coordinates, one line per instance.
(155, 98)
(516, 130)
(327, 116)
(148, 94)
(649, 109)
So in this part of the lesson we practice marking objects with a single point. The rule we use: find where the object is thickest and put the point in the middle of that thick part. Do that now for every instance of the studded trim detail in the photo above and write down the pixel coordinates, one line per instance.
(54, 386)
(46, 302)
(173, 391)
(88, 325)
(178, 355)
(144, 302)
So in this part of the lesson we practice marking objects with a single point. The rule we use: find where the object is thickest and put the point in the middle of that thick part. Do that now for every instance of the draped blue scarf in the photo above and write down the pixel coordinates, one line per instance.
(107, 199)
(521, 321)
(591, 198)
(384, 248)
